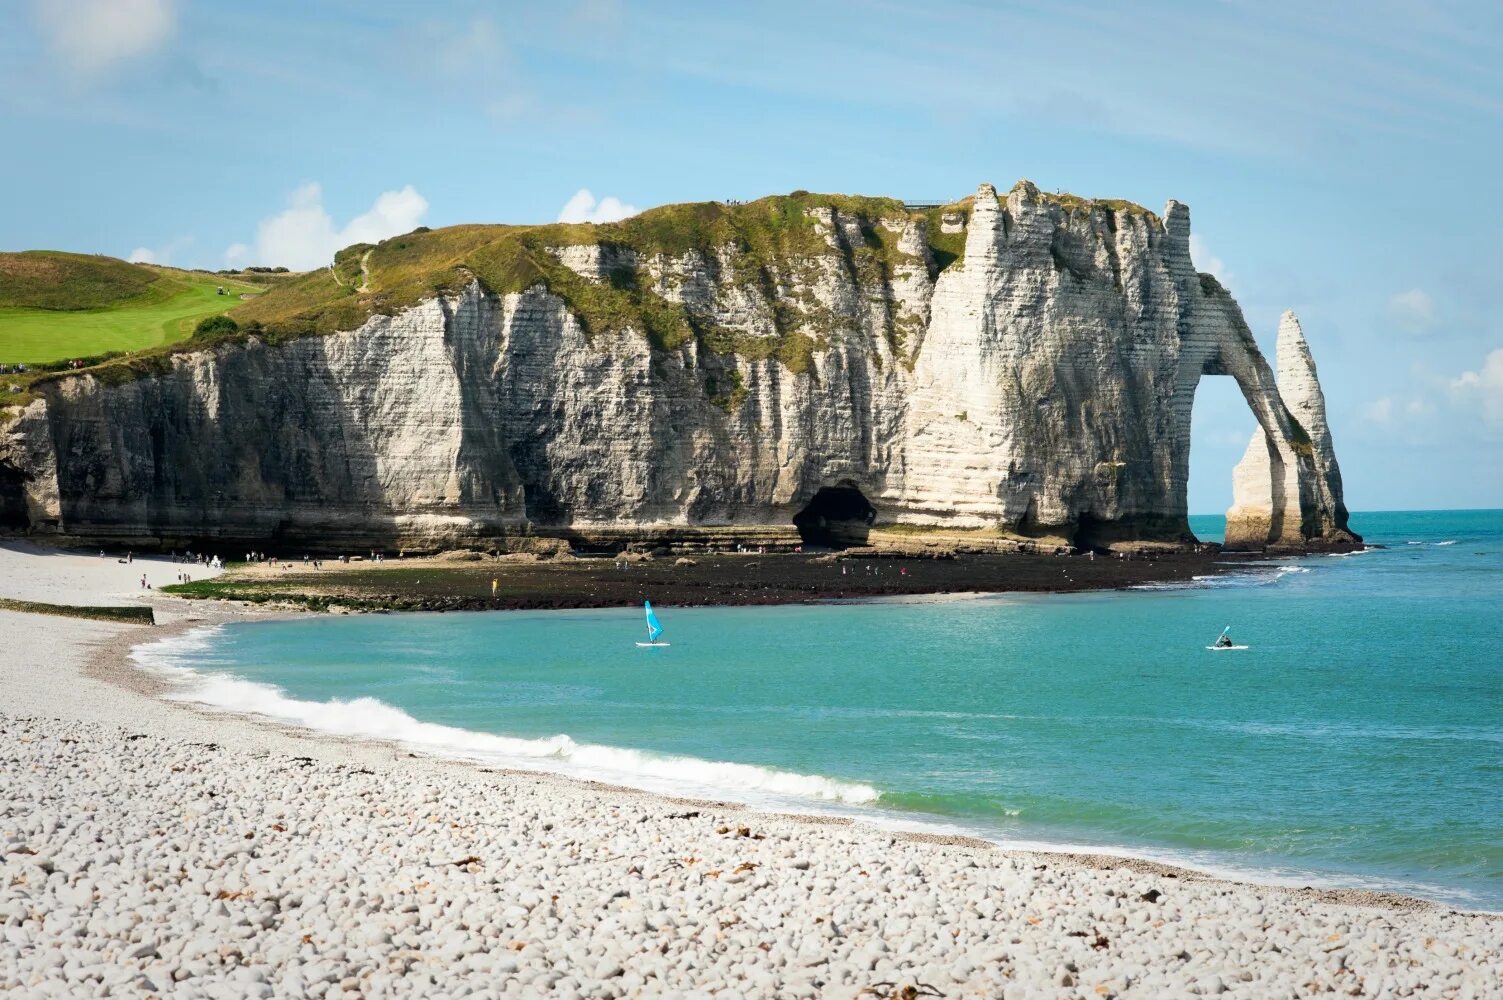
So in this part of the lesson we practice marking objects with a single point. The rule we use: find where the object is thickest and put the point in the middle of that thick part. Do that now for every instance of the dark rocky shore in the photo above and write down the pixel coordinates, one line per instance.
(749, 579)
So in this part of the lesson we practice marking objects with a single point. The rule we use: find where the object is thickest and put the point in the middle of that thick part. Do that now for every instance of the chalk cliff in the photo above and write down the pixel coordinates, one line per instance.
(1275, 503)
(1020, 367)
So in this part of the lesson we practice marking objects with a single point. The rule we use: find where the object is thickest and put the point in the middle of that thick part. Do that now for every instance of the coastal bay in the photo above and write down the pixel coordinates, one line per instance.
(199, 850)
(623, 499)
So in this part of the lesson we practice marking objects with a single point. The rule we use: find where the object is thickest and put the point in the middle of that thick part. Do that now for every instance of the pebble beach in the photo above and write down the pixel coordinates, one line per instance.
(154, 849)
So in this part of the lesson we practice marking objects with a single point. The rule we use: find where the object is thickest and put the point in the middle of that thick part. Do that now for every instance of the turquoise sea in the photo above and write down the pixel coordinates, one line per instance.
(1358, 742)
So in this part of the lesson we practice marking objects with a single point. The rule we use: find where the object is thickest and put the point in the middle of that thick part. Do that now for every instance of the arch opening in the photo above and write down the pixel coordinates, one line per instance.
(1221, 421)
(836, 517)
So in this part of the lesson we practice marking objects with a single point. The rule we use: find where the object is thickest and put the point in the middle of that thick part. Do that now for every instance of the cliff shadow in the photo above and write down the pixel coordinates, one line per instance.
(837, 517)
(13, 515)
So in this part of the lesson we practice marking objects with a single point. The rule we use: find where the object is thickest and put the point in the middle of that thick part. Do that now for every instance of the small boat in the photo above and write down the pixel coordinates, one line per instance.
(654, 627)
(1223, 642)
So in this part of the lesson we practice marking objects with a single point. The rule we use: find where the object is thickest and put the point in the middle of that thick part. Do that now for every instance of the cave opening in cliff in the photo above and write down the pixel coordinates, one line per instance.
(837, 517)
(12, 500)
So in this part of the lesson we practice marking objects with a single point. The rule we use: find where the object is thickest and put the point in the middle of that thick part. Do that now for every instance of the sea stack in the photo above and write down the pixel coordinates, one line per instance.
(1284, 501)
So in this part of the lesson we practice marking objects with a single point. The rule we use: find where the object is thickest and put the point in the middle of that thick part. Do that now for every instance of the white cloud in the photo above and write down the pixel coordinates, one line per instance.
(1380, 410)
(479, 48)
(1413, 310)
(1208, 262)
(92, 35)
(474, 53)
(1482, 388)
(598, 14)
(162, 254)
(303, 235)
(477, 65)
(584, 208)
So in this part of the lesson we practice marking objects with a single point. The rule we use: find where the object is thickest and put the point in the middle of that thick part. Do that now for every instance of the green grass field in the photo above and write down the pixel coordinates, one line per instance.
(54, 307)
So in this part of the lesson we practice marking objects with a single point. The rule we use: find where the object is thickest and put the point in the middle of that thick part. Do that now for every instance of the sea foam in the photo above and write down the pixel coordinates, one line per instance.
(370, 718)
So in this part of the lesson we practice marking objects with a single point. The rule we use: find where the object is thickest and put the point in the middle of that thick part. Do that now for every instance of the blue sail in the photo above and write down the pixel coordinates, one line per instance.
(654, 628)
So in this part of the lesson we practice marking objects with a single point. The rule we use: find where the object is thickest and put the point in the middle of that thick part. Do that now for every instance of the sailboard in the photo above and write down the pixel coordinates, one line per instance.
(1218, 648)
(654, 627)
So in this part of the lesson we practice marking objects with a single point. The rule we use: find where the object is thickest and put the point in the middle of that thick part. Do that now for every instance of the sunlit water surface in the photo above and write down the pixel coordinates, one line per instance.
(1359, 741)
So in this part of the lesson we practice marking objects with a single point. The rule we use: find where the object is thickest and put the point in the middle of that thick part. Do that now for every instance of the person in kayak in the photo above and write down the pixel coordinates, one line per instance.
(1224, 641)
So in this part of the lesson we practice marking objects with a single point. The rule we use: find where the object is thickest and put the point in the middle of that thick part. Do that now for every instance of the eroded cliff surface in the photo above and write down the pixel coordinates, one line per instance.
(1019, 367)
(1275, 504)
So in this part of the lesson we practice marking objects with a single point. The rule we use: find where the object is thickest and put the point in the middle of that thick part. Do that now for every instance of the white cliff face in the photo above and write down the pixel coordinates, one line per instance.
(1060, 365)
(1040, 386)
(350, 436)
(1300, 388)
(1271, 507)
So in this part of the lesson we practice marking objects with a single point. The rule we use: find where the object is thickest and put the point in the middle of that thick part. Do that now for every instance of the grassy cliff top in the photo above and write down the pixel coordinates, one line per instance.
(58, 281)
(59, 307)
(767, 244)
(52, 279)
(1072, 203)
(770, 236)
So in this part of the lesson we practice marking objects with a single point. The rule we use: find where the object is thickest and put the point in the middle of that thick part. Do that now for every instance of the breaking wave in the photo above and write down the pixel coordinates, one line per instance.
(370, 718)
(1212, 581)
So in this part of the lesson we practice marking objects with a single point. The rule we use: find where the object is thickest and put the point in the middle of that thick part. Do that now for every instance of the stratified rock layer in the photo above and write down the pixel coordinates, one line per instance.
(1038, 387)
(1274, 503)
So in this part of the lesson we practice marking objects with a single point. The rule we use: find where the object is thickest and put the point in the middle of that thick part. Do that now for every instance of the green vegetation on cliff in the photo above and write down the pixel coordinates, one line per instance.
(53, 280)
(947, 248)
(60, 306)
(774, 246)
(1073, 203)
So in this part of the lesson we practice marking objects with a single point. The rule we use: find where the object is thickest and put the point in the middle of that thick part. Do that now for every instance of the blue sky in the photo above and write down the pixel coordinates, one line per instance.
(1339, 159)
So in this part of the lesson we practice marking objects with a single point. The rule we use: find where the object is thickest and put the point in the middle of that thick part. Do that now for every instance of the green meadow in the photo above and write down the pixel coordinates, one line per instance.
(55, 307)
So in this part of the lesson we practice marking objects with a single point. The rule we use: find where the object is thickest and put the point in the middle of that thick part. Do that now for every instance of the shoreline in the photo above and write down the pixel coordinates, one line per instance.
(115, 665)
(651, 893)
